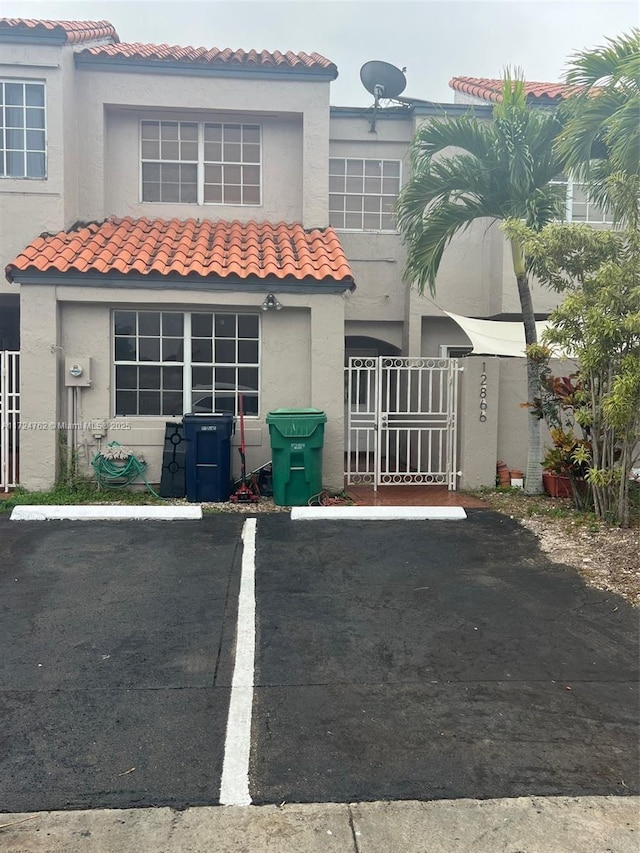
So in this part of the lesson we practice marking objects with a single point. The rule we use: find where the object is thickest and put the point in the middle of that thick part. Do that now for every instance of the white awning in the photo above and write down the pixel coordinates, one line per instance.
(491, 337)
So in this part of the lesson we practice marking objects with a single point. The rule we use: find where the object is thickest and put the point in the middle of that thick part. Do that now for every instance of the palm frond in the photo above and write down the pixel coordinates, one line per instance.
(462, 132)
(604, 65)
(492, 170)
(426, 246)
(601, 137)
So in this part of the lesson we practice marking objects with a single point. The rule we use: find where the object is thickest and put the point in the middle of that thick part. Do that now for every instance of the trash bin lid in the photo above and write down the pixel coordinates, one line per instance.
(296, 413)
(202, 416)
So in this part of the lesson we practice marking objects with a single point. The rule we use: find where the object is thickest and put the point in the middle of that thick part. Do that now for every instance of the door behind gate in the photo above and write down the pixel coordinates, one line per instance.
(9, 418)
(401, 421)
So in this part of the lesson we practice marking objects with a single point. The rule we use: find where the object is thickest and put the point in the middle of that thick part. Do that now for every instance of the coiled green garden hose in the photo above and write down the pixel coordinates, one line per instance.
(118, 468)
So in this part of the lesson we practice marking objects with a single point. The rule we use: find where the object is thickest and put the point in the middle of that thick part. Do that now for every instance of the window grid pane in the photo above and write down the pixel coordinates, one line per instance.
(144, 383)
(169, 153)
(22, 144)
(363, 193)
(223, 168)
(578, 207)
(220, 360)
(232, 170)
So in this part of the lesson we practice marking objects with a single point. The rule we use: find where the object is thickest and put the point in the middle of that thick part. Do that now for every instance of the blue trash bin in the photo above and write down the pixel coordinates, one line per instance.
(208, 457)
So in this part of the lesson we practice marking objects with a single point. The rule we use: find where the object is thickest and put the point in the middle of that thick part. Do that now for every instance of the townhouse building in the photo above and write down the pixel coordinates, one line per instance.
(180, 226)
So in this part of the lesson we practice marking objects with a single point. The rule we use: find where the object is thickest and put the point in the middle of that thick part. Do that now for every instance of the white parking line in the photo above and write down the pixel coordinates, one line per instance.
(234, 786)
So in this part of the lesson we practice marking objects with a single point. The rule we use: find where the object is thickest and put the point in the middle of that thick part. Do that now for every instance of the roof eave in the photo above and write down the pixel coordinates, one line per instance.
(143, 65)
(29, 35)
(249, 284)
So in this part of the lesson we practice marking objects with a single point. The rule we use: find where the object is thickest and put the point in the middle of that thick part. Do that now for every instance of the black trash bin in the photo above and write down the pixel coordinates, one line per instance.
(208, 458)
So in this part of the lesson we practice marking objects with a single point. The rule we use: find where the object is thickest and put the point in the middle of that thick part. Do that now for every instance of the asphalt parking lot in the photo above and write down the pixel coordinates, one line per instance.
(394, 660)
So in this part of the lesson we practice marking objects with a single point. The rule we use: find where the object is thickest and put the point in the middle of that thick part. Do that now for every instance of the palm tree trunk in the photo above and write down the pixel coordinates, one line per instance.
(533, 474)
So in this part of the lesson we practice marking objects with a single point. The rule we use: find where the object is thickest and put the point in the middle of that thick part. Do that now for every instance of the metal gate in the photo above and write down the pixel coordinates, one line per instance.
(401, 421)
(9, 418)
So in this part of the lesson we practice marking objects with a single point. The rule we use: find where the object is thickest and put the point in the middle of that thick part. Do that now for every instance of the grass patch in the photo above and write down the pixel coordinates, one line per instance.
(516, 503)
(81, 493)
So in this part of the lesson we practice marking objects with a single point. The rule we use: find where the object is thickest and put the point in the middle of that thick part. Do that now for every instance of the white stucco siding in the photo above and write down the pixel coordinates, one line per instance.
(72, 128)
(30, 206)
(377, 261)
(440, 331)
(544, 299)
(395, 130)
(282, 178)
(295, 163)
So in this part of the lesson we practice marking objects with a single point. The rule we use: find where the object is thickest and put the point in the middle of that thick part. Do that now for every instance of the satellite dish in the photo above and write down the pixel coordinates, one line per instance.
(382, 79)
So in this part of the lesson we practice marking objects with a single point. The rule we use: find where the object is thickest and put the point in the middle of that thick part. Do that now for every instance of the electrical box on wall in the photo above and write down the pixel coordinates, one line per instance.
(77, 372)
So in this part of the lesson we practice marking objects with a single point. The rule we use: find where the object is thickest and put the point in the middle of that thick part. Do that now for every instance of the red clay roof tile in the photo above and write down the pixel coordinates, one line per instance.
(262, 59)
(221, 249)
(490, 90)
(72, 31)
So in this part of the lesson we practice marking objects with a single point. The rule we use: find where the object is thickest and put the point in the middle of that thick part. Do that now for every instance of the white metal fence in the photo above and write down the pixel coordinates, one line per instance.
(9, 418)
(401, 421)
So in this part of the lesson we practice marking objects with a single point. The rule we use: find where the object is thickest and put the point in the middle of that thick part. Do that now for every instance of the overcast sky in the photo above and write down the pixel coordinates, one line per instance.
(434, 39)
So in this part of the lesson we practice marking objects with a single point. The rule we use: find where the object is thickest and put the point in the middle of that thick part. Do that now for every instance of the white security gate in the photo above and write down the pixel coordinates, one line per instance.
(401, 421)
(9, 418)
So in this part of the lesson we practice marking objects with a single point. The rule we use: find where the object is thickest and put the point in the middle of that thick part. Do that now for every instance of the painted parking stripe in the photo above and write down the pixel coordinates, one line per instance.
(378, 513)
(234, 786)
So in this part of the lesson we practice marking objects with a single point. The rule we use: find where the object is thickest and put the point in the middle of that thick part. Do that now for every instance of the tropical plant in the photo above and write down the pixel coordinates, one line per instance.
(560, 399)
(498, 170)
(601, 138)
(598, 322)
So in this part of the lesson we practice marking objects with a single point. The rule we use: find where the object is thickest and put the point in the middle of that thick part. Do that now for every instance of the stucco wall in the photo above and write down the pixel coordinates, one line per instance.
(301, 105)
(440, 331)
(282, 178)
(503, 436)
(30, 206)
(302, 351)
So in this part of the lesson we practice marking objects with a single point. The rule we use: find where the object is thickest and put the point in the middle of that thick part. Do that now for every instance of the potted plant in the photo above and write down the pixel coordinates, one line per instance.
(567, 461)
(565, 465)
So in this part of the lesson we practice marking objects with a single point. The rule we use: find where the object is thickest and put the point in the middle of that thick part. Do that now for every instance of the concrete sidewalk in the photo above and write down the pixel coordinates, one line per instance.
(523, 825)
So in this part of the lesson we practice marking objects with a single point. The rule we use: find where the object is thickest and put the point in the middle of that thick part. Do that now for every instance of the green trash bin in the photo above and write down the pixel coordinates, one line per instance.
(297, 437)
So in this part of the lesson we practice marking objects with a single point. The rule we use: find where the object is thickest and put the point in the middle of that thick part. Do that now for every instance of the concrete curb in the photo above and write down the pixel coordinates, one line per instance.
(534, 824)
(378, 513)
(31, 512)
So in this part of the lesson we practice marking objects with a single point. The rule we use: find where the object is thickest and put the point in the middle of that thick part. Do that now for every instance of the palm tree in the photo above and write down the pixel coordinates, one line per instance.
(500, 170)
(601, 138)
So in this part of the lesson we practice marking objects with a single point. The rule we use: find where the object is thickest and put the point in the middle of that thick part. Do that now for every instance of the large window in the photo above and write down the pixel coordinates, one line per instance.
(188, 162)
(363, 193)
(578, 207)
(169, 363)
(22, 130)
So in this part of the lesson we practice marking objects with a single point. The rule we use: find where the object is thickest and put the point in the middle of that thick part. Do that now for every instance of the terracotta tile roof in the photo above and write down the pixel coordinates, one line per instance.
(262, 59)
(160, 247)
(71, 31)
(489, 90)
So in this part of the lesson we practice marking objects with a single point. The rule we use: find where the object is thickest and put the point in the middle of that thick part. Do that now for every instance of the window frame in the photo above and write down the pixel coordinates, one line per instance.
(201, 162)
(570, 184)
(4, 150)
(447, 349)
(187, 363)
(364, 195)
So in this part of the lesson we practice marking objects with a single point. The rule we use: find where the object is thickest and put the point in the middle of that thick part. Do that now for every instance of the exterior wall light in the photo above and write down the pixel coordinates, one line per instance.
(271, 303)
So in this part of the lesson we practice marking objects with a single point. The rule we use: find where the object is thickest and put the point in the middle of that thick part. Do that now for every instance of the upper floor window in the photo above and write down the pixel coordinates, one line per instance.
(22, 130)
(185, 162)
(578, 207)
(363, 193)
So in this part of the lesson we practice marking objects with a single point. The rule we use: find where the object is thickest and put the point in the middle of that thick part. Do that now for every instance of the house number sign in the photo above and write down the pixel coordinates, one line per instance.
(483, 394)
